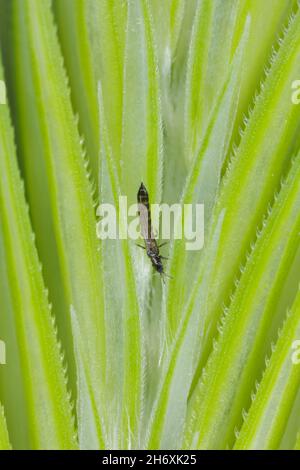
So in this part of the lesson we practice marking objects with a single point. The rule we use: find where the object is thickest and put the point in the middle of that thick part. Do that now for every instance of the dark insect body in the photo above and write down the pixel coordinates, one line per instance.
(151, 246)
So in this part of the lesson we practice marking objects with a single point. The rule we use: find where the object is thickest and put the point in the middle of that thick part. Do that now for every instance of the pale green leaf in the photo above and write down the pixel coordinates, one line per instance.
(169, 410)
(215, 407)
(141, 150)
(73, 31)
(202, 186)
(254, 174)
(268, 415)
(33, 380)
(106, 20)
(124, 312)
(217, 31)
(59, 190)
(4, 439)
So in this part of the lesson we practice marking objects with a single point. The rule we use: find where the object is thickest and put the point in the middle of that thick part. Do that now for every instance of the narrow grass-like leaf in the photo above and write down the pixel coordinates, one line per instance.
(217, 30)
(106, 20)
(51, 151)
(297, 445)
(74, 35)
(4, 439)
(197, 56)
(268, 19)
(237, 359)
(142, 127)
(269, 412)
(113, 295)
(141, 160)
(124, 415)
(254, 174)
(173, 21)
(168, 18)
(169, 409)
(202, 185)
(33, 377)
(90, 424)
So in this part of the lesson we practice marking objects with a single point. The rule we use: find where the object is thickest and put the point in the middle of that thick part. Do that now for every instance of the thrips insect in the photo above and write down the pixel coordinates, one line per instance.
(152, 248)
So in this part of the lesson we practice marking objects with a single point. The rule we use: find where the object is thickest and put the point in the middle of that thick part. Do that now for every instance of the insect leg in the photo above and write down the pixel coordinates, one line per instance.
(162, 244)
(168, 275)
(141, 246)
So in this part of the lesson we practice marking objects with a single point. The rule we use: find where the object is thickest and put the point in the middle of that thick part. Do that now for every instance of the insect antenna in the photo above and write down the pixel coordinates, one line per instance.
(162, 244)
(168, 275)
(141, 246)
(163, 275)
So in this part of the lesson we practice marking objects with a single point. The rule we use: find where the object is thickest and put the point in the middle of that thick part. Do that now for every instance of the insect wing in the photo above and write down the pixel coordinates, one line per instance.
(145, 229)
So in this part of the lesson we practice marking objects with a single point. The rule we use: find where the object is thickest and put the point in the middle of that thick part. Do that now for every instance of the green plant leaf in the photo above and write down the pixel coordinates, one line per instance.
(123, 311)
(58, 186)
(168, 19)
(297, 445)
(238, 354)
(173, 25)
(90, 424)
(169, 409)
(202, 187)
(141, 149)
(105, 94)
(253, 175)
(217, 31)
(75, 40)
(33, 380)
(4, 439)
(106, 21)
(268, 415)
